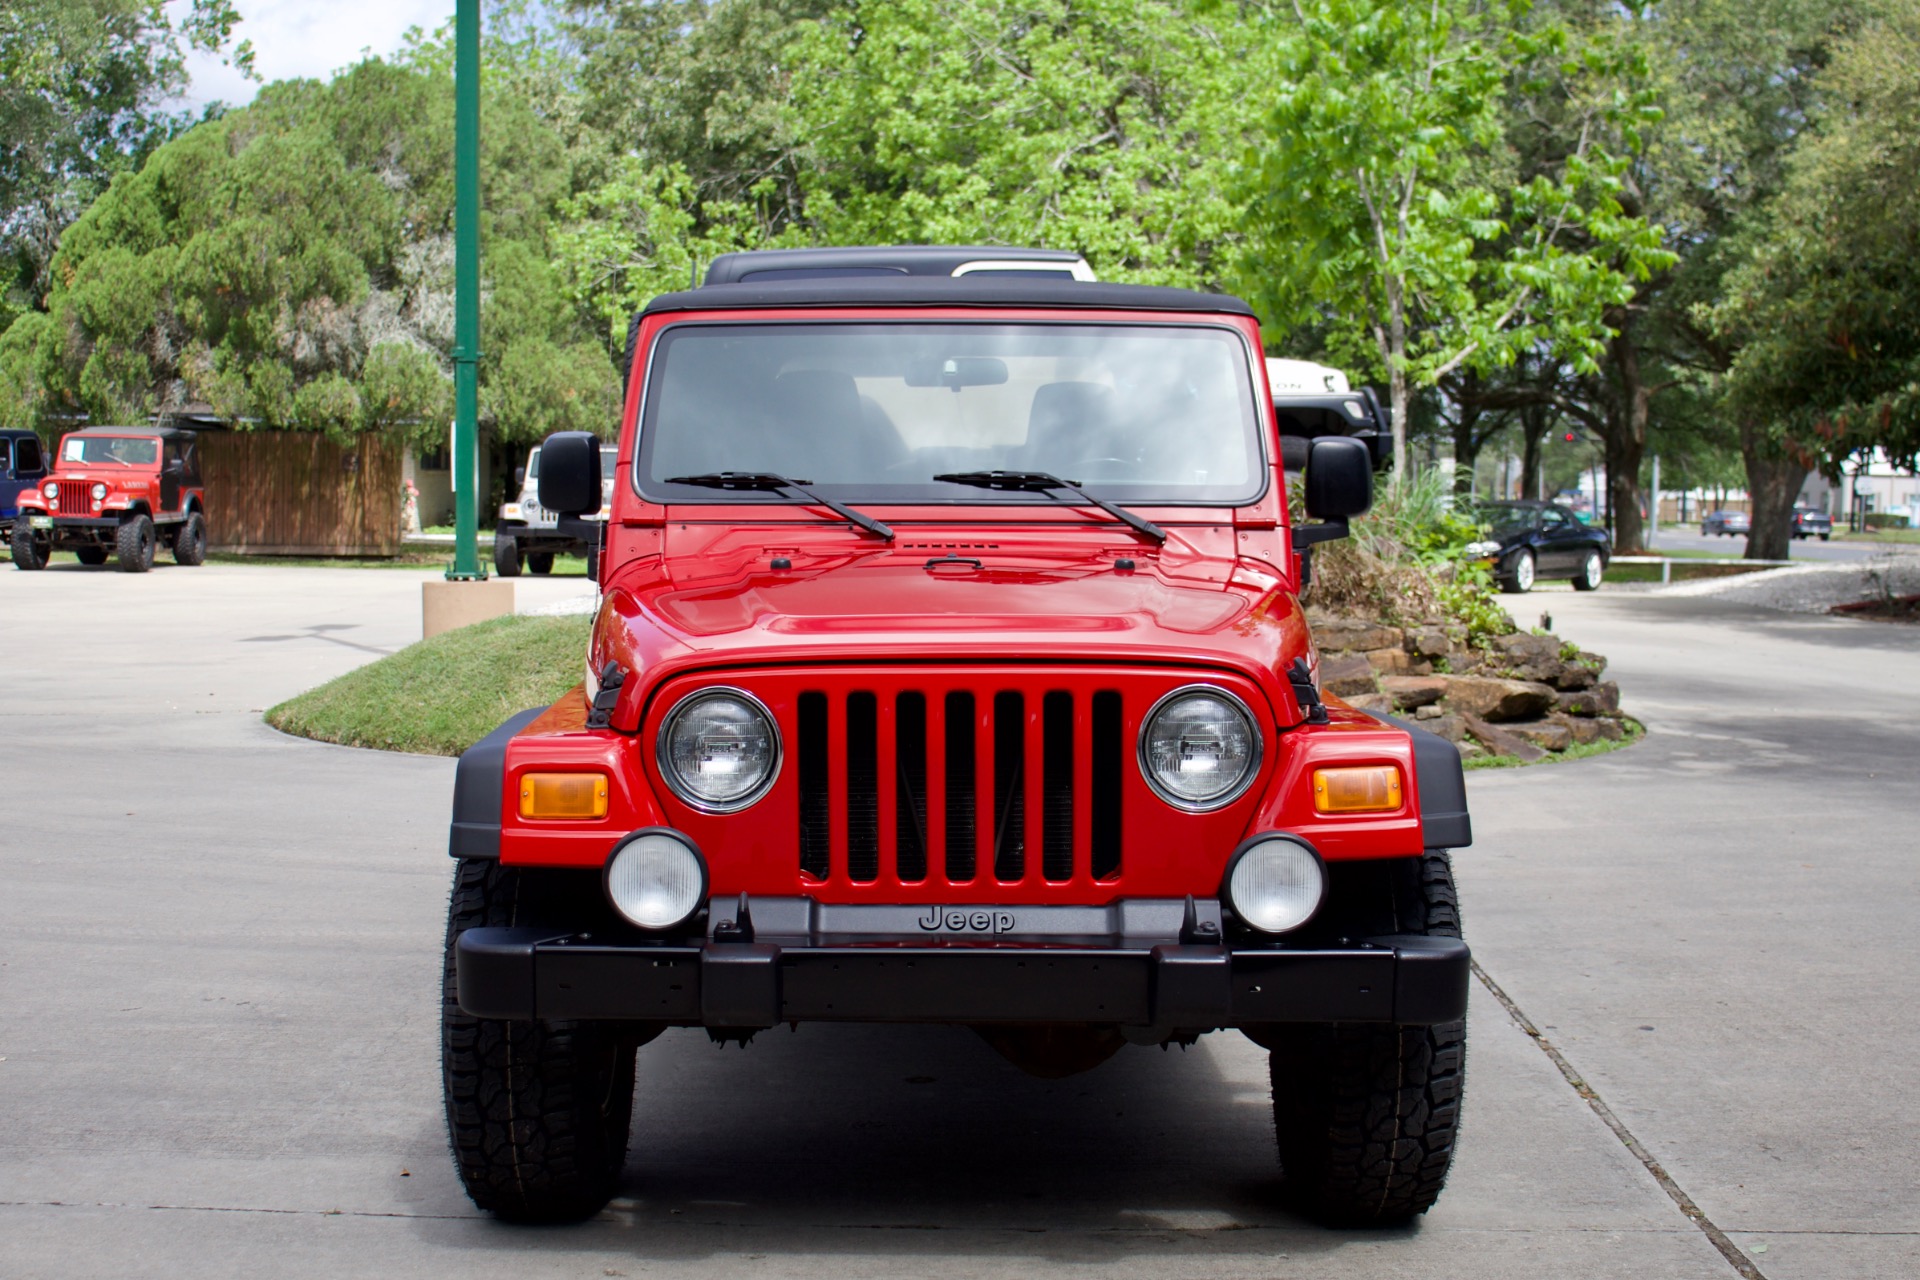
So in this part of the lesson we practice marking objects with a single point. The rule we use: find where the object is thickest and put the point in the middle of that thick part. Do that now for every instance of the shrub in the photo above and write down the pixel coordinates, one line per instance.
(1884, 520)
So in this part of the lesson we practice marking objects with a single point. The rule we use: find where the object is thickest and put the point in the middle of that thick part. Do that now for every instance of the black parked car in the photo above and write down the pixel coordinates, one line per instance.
(1811, 522)
(1727, 523)
(1534, 540)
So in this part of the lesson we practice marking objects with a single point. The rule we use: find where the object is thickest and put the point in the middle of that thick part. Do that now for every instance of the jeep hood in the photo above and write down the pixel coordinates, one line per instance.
(892, 607)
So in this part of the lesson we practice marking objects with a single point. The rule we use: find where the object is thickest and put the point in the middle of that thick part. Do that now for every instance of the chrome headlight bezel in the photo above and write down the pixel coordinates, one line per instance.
(1255, 734)
(693, 851)
(662, 751)
(1252, 845)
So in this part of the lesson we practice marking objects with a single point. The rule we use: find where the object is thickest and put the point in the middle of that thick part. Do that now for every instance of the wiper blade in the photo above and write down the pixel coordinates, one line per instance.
(768, 482)
(1042, 482)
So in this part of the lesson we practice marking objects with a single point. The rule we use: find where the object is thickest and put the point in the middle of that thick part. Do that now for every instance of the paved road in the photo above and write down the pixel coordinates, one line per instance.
(1689, 539)
(219, 964)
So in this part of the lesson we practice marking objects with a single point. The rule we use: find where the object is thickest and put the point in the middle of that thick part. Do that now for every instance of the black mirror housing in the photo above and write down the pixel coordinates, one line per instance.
(1339, 478)
(570, 473)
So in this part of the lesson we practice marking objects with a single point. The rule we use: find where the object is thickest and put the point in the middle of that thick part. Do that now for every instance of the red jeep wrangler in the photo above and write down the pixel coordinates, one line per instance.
(116, 491)
(950, 669)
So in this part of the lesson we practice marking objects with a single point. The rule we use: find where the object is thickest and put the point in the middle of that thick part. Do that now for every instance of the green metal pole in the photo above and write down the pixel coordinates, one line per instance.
(466, 291)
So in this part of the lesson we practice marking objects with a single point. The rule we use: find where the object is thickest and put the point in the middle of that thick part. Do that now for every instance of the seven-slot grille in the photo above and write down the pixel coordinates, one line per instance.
(74, 498)
(962, 785)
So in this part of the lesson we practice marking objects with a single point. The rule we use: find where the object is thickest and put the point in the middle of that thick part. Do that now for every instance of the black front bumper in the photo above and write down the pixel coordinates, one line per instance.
(525, 973)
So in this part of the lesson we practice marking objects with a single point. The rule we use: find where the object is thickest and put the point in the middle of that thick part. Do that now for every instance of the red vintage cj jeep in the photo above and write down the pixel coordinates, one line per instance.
(950, 669)
(116, 491)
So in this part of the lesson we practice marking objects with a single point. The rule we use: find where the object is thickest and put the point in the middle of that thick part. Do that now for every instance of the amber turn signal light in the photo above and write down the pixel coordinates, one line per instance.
(563, 795)
(1373, 788)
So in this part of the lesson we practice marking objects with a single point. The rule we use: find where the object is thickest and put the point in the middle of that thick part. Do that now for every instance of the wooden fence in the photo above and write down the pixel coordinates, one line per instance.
(299, 493)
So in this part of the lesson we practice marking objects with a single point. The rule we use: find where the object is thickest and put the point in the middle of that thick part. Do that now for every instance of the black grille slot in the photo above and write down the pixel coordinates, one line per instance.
(816, 839)
(910, 771)
(1109, 756)
(863, 788)
(1009, 786)
(1056, 816)
(962, 803)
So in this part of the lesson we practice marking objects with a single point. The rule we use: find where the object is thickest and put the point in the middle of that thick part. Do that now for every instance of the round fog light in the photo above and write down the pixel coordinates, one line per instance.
(1276, 884)
(655, 879)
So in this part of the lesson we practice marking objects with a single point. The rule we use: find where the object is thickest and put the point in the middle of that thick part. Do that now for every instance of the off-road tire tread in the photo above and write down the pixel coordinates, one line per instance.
(26, 550)
(1366, 1115)
(133, 545)
(536, 1118)
(190, 543)
(506, 557)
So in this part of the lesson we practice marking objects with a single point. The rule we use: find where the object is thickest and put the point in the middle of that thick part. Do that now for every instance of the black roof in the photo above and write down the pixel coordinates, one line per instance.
(875, 260)
(984, 290)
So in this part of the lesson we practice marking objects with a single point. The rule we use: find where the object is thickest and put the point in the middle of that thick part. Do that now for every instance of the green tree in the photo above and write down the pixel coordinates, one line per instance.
(1823, 307)
(1386, 207)
(83, 88)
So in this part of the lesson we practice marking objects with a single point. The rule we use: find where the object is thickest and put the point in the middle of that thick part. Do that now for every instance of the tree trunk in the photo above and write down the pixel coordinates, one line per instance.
(1626, 441)
(1533, 431)
(1773, 482)
(1466, 450)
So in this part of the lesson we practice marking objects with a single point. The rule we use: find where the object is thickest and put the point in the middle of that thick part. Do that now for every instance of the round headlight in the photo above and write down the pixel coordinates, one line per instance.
(1200, 748)
(99, 492)
(1276, 884)
(51, 489)
(719, 750)
(655, 879)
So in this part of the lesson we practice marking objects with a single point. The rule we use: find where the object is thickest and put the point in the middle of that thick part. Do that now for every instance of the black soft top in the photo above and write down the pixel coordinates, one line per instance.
(877, 260)
(982, 290)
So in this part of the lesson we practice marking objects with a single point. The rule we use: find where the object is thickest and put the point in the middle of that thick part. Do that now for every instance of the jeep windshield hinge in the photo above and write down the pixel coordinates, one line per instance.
(1305, 693)
(600, 714)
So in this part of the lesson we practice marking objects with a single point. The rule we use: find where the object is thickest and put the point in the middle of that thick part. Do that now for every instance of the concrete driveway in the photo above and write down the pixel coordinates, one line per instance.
(219, 968)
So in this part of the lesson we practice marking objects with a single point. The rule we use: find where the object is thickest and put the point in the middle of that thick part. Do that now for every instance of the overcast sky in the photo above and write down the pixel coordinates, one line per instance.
(312, 38)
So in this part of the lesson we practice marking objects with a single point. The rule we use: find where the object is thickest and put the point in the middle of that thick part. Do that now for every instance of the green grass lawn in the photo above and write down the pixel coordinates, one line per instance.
(1892, 537)
(440, 696)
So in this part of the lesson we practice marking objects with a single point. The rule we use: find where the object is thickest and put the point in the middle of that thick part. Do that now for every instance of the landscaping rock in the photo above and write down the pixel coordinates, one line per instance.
(1587, 702)
(1492, 698)
(1573, 675)
(1389, 661)
(1501, 742)
(1427, 713)
(1452, 728)
(1374, 704)
(1548, 735)
(1611, 730)
(1346, 674)
(1351, 633)
(1580, 729)
(1429, 642)
(1521, 647)
(1411, 693)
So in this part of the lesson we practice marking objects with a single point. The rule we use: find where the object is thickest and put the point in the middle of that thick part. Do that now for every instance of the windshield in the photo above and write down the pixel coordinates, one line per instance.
(1138, 413)
(124, 451)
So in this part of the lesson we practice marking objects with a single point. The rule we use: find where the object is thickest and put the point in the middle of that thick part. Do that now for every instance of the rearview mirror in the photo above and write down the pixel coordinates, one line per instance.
(570, 473)
(1339, 478)
(956, 372)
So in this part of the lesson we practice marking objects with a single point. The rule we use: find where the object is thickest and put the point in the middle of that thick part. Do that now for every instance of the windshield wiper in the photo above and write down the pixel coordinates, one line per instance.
(1042, 482)
(768, 482)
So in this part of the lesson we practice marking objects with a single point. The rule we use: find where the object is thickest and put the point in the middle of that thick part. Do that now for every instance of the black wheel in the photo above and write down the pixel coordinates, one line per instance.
(190, 543)
(1519, 579)
(593, 563)
(1593, 572)
(91, 555)
(133, 544)
(537, 1112)
(1366, 1115)
(506, 555)
(29, 552)
(540, 562)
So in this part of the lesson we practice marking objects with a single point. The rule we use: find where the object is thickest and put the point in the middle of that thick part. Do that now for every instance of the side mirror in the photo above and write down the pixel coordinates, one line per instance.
(570, 473)
(519, 476)
(1339, 478)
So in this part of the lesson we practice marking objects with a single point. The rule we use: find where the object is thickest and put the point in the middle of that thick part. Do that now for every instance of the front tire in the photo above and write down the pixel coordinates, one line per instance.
(29, 552)
(506, 556)
(133, 544)
(190, 543)
(1519, 580)
(1592, 573)
(1366, 1116)
(537, 1112)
